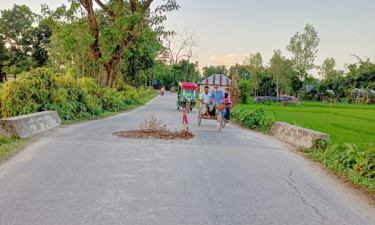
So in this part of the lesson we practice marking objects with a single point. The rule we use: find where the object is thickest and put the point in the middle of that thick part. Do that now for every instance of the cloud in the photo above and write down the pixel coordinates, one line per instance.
(229, 60)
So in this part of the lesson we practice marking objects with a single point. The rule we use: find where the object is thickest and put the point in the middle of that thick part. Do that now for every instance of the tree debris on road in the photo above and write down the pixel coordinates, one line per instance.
(154, 128)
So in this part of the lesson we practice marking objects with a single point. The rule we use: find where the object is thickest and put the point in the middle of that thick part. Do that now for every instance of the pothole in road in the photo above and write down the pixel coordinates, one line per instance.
(154, 128)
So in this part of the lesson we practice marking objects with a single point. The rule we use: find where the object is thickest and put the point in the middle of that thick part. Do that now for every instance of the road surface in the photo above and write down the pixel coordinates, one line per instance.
(83, 174)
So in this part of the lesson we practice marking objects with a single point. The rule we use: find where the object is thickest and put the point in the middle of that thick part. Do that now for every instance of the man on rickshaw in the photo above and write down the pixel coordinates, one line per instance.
(205, 102)
(217, 95)
(210, 100)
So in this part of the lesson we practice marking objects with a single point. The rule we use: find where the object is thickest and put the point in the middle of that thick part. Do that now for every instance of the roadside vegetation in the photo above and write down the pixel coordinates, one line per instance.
(74, 99)
(356, 162)
(10, 146)
(345, 123)
(351, 150)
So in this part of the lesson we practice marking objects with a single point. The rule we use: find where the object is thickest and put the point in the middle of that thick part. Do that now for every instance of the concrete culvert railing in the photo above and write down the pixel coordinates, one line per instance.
(296, 135)
(28, 125)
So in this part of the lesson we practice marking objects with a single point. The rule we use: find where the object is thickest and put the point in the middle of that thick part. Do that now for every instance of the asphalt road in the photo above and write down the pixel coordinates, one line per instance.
(82, 174)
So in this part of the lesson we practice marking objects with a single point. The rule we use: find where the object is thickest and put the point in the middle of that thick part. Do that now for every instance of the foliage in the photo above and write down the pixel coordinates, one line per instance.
(245, 87)
(25, 43)
(16, 24)
(280, 69)
(319, 143)
(327, 70)
(110, 31)
(140, 58)
(304, 47)
(41, 89)
(254, 63)
(257, 119)
(170, 76)
(357, 162)
(209, 70)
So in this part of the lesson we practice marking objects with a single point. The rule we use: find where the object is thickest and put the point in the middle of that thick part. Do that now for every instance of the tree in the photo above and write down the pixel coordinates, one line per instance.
(39, 40)
(281, 70)
(245, 87)
(304, 47)
(16, 28)
(327, 70)
(296, 84)
(25, 42)
(140, 59)
(115, 28)
(254, 62)
(243, 71)
(179, 45)
(3, 57)
(16, 25)
(208, 71)
(267, 85)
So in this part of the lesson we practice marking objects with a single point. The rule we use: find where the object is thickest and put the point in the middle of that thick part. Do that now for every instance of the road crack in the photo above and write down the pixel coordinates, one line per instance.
(291, 182)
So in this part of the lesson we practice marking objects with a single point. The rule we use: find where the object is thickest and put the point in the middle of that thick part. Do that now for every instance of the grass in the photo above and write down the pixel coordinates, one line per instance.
(345, 123)
(11, 146)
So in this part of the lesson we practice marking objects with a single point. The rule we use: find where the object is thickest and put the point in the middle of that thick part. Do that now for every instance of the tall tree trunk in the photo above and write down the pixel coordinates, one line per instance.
(277, 90)
(110, 68)
(114, 64)
(107, 71)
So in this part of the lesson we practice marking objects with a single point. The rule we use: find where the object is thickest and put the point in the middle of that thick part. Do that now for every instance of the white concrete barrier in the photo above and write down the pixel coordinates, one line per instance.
(296, 135)
(28, 125)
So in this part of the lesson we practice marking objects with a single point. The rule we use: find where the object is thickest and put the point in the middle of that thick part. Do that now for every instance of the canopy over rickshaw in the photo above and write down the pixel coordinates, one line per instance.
(187, 95)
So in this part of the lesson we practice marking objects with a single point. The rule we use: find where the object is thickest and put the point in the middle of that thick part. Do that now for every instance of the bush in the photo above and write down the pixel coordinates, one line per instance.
(357, 162)
(111, 100)
(359, 159)
(257, 119)
(245, 89)
(41, 89)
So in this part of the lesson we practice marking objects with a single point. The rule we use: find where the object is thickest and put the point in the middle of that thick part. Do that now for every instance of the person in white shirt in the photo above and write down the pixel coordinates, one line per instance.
(205, 101)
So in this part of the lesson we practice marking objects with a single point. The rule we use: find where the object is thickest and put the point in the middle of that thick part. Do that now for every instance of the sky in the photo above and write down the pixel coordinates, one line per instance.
(228, 31)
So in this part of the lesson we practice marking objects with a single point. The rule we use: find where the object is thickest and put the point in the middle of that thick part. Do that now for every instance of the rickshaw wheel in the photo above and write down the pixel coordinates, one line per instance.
(223, 122)
(199, 117)
(218, 123)
(178, 108)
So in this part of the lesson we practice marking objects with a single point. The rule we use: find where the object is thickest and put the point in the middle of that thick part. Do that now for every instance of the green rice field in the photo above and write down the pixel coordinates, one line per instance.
(345, 123)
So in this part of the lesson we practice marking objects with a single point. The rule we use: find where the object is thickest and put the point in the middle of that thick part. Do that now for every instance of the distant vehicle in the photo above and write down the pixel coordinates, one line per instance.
(187, 95)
